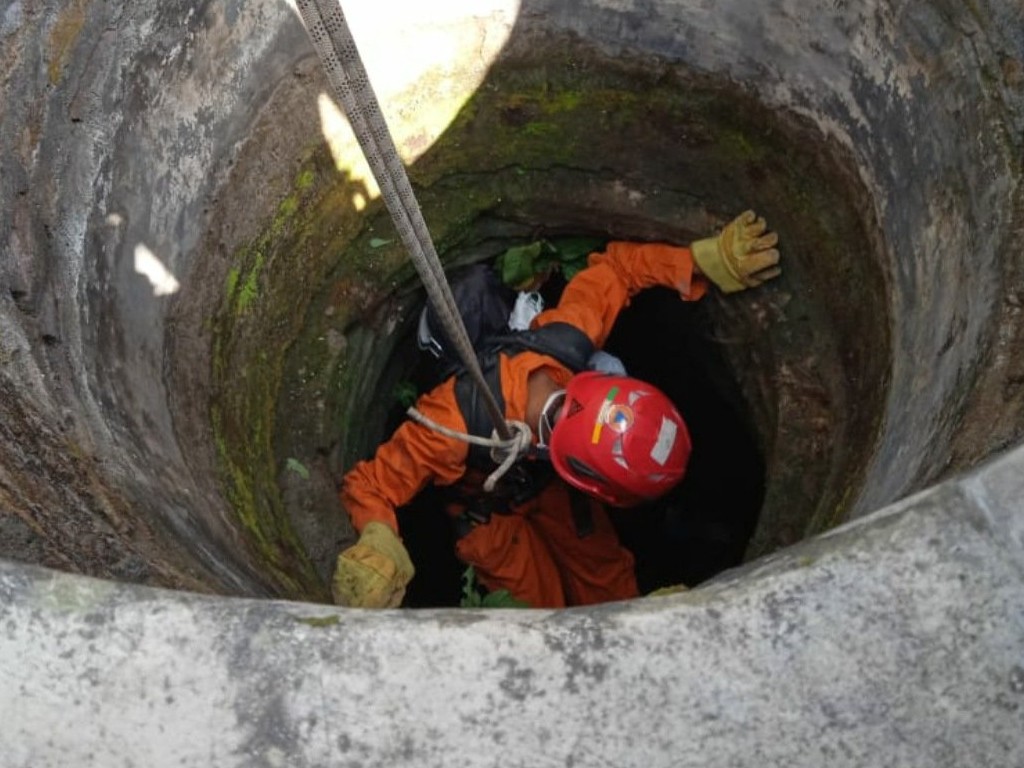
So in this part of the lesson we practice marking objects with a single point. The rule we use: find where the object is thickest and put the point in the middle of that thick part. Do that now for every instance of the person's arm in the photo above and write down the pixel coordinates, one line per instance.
(594, 297)
(374, 572)
(742, 256)
(403, 466)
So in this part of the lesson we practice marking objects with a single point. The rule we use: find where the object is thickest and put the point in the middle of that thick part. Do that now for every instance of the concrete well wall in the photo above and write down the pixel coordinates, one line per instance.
(143, 147)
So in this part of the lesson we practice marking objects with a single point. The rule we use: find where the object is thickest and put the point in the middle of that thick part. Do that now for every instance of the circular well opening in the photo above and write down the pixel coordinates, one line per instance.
(612, 148)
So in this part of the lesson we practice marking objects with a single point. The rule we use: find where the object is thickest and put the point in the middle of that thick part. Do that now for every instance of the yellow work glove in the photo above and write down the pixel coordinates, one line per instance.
(373, 572)
(743, 256)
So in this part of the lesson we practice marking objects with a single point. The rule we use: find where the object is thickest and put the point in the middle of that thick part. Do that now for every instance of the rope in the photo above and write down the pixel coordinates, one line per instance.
(506, 450)
(329, 31)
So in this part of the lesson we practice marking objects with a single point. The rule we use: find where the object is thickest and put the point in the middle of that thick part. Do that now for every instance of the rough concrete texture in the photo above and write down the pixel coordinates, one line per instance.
(894, 641)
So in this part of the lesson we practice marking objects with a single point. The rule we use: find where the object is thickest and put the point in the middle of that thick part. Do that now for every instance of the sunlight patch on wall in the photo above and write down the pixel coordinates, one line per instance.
(348, 157)
(150, 267)
(423, 66)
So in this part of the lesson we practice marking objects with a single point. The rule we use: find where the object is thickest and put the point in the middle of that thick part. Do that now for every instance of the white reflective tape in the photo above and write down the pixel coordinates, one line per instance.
(666, 439)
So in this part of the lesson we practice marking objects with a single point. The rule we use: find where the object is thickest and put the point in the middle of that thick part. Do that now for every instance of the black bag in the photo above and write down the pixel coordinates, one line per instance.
(485, 304)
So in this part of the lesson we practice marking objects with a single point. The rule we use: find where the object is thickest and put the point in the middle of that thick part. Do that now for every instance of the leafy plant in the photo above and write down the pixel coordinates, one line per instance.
(405, 393)
(520, 264)
(472, 597)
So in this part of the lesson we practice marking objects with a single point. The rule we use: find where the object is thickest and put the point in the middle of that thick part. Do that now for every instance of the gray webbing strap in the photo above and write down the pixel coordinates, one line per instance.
(325, 22)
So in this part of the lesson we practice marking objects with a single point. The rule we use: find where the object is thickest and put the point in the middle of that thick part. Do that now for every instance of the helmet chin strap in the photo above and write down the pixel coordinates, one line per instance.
(546, 424)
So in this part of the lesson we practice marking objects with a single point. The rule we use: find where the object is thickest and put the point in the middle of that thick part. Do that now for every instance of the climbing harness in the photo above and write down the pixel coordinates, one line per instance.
(331, 37)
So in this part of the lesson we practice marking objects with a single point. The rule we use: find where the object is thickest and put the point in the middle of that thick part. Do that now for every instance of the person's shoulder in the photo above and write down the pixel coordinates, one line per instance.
(522, 364)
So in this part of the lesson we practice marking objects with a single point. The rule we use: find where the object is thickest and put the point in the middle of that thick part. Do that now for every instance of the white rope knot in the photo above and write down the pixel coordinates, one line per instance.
(504, 452)
(508, 452)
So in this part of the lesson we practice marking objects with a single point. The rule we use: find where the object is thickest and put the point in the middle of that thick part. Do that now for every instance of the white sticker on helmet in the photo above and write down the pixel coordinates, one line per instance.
(666, 439)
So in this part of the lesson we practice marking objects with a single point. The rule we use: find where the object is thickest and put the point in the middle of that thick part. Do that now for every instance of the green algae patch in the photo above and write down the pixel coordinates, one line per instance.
(231, 281)
(248, 289)
(267, 290)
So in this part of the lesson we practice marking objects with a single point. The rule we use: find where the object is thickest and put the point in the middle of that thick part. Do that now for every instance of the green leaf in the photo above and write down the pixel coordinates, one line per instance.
(379, 242)
(573, 253)
(517, 263)
(502, 598)
(573, 248)
(406, 393)
(499, 598)
(521, 263)
(298, 468)
(570, 268)
(470, 597)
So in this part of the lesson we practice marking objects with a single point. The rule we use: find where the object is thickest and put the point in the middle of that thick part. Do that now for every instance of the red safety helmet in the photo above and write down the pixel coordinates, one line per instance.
(619, 439)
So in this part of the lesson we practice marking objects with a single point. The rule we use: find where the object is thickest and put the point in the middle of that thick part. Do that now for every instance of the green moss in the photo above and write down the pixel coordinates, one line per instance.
(269, 536)
(250, 289)
(318, 621)
(74, 448)
(538, 128)
(263, 309)
(739, 144)
(286, 209)
(564, 101)
(305, 179)
(231, 282)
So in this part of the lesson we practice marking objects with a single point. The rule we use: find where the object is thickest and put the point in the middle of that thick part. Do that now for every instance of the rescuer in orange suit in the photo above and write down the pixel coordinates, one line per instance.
(617, 439)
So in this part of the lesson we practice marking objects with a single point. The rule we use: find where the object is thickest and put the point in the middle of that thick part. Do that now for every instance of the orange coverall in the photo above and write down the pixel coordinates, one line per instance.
(535, 553)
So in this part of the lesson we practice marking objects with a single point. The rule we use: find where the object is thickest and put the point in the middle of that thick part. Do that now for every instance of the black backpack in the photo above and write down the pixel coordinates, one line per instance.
(485, 304)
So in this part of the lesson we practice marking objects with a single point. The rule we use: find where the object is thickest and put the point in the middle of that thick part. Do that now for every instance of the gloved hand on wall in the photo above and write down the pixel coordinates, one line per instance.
(373, 572)
(742, 256)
